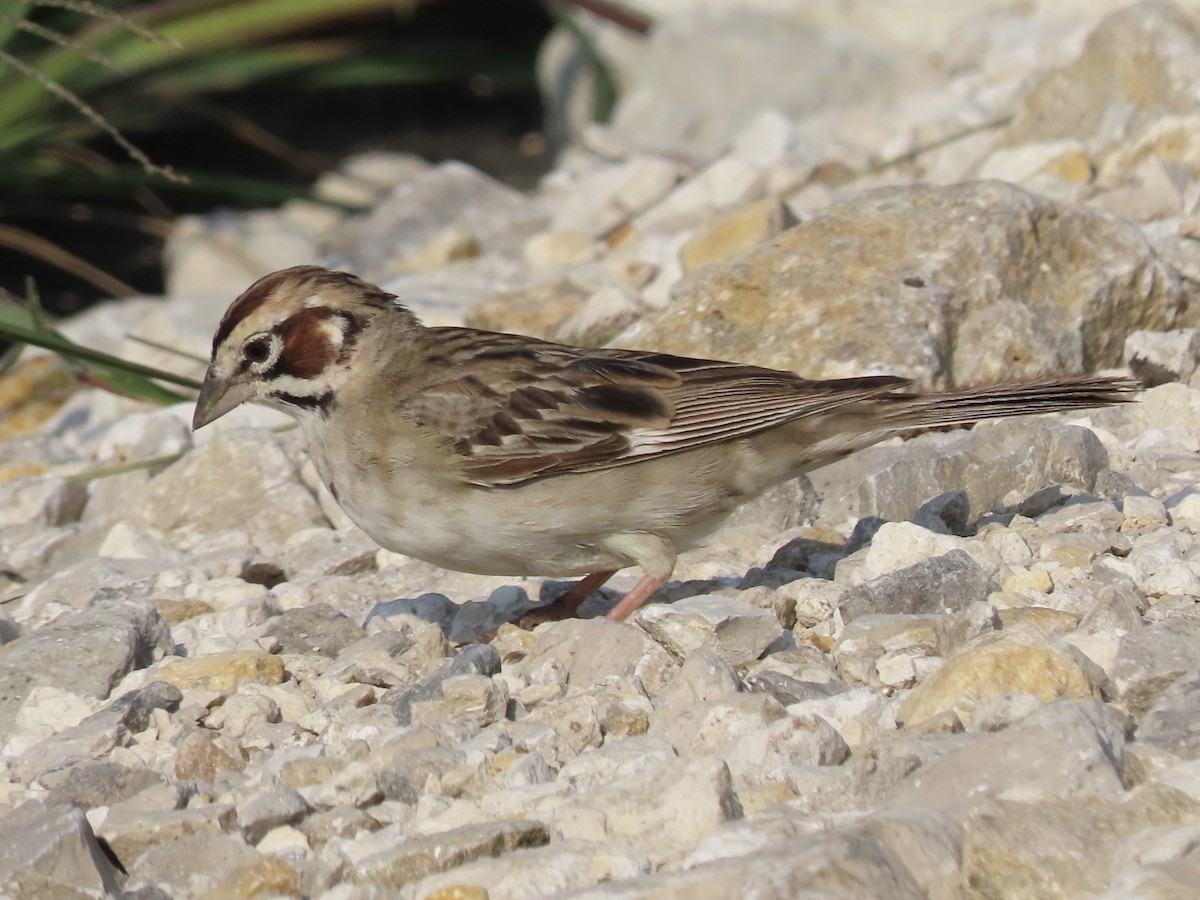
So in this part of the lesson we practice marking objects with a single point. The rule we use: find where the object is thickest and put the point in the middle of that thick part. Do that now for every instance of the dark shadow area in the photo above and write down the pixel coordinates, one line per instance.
(489, 116)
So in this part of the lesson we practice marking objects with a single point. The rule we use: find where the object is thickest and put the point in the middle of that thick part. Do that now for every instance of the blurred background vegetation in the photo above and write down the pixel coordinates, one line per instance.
(118, 116)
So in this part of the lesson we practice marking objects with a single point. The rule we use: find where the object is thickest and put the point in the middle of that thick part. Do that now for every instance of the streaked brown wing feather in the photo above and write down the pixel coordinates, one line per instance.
(567, 409)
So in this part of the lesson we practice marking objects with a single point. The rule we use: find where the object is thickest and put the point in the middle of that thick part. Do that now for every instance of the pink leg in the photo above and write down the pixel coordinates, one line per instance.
(637, 595)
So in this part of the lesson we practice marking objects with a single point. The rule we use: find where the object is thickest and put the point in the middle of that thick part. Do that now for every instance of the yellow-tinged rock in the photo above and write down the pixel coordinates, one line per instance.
(759, 796)
(448, 245)
(1070, 556)
(1043, 618)
(459, 892)
(822, 642)
(201, 755)
(623, 721)
(537, 310)
(175, 611)
(555, 249)
(1035, 580)
(1007, 600)
(29, 395)
(731, 234)
(1028, 664)
(224, 671)
(1073, 165)
(268, 877)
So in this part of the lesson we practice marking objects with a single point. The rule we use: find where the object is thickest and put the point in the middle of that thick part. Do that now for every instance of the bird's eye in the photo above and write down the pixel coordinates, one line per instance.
(257, 350)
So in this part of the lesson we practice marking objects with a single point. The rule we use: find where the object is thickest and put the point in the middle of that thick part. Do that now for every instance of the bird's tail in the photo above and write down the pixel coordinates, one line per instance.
(902, 410)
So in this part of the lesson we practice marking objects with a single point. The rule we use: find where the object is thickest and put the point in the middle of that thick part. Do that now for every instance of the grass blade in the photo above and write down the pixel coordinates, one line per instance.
(101, 369)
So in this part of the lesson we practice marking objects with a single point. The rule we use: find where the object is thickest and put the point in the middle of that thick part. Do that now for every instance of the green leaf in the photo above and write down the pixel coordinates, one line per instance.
(110, 372)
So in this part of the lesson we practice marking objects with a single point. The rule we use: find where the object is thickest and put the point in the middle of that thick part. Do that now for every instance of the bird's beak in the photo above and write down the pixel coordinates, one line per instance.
(217, 397)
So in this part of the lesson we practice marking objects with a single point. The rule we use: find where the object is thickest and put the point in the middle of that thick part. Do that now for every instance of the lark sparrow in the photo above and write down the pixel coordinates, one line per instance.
(501, 454)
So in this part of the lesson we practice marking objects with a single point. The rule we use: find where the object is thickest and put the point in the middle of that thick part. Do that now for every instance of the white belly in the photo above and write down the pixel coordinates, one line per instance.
(564, 525)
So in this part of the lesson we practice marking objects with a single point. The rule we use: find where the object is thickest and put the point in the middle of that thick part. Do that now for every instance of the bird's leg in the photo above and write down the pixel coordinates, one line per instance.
(656, 556)
(572, 598)
(637, 595)
(566, 604)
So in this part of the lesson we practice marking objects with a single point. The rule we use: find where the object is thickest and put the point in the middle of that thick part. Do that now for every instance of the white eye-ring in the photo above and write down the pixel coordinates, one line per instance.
(259, 351)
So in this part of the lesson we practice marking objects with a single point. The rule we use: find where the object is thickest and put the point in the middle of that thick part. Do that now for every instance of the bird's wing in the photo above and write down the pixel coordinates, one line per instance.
(514, 409)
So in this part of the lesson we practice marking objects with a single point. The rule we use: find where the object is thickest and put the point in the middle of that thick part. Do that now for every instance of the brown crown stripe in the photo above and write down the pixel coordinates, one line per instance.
(250, 300)
(315, 277)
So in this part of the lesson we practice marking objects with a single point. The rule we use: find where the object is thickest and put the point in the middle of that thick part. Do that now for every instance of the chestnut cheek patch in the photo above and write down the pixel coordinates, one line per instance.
(312, 339)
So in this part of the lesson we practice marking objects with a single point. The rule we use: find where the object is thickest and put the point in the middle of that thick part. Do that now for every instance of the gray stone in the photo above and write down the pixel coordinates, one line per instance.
(677, 98)
(558, 868)
(1160, 570)
(1140, 62)
(392, 237)
(1065, 750)
(204, 755)
(664, 812)
(99, 783)
(385, 659)
(587, 651)
(130, 830)
(83, 582)
(356, 785)
(472, 620)
(218, 254)
(239, 480)
(1047, 848)
(474, 659)
(437, 609)
(1173, 722)
(788, 690)
(30, 552)
(1157, 357)
(865, 641)
(476, 697)
(408, 762)
(1152, 658)
(40, 451)
(880, 766)
(944, 584)
(9, 630)
(737, 631)
(425, 855)
(605, 199)
(760, 741)
(338, 822)
(703, 681)
(906, 855)
(800, 553)
(529, 769)
(329, 553)
(1170, 866)
(269, 808)
(52, 852)
(317, 629)
(45, 500)
(988, 463)
(951, 510)
(616, 761)
(194, 866)
(86, 654)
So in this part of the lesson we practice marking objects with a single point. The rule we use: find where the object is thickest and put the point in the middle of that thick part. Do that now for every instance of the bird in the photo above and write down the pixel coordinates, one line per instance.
(503, 454)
